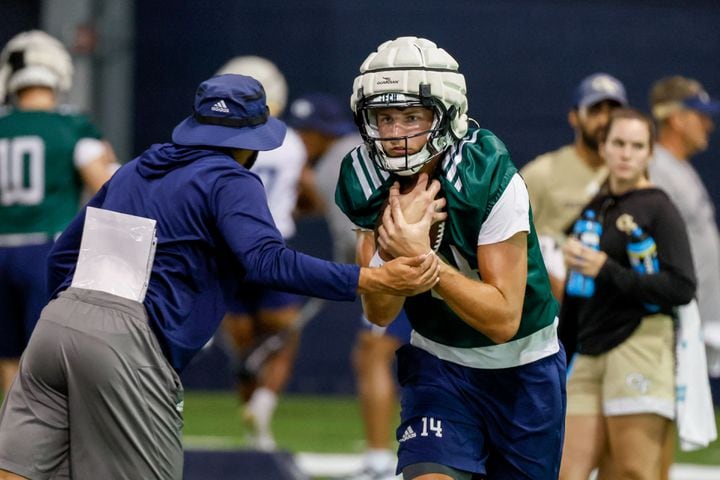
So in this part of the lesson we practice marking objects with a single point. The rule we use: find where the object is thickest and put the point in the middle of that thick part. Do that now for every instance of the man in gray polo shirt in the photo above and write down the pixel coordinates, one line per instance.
(683, 111)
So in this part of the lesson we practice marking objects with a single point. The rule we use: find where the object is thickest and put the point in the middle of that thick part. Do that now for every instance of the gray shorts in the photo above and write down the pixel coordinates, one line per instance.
(94, 396)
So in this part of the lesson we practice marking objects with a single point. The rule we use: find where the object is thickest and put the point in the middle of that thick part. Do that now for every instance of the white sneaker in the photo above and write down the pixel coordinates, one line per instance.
(264, 443)
(257, 416)
(258, 438)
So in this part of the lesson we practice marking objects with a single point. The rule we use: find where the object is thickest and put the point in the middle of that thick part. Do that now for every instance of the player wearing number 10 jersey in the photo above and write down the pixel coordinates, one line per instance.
(47, 156)
(483, 378)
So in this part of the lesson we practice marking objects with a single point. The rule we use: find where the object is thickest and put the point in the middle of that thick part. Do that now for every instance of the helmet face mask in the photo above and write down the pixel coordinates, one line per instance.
(437, 137)
(405, 72)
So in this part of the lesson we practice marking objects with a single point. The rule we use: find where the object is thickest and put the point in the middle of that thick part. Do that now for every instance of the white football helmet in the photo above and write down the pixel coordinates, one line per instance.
(34, 58)
(404, 72)
(265, 72)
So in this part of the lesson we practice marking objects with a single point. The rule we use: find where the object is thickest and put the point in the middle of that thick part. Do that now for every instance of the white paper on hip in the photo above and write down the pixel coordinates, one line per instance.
(116, 253)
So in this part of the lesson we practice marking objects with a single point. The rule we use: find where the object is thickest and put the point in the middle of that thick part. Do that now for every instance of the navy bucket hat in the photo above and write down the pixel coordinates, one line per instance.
(230, 111)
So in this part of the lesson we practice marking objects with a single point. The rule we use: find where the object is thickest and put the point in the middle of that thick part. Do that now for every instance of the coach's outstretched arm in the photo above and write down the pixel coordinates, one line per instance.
(405, 276)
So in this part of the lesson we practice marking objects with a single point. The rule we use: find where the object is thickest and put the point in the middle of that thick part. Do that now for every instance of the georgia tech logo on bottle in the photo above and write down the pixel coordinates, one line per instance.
(387, 81)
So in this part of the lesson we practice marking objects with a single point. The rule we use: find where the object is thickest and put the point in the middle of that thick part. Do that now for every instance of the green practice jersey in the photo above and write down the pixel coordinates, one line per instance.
(473, 175)
(39, 184)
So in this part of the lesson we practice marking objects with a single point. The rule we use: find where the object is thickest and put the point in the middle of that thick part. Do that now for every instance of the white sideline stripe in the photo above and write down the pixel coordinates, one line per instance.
(694, 472)
(336, 464)
(328, 464)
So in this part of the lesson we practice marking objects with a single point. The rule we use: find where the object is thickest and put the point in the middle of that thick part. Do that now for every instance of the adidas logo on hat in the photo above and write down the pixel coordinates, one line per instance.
(220, 107)
(409, 433)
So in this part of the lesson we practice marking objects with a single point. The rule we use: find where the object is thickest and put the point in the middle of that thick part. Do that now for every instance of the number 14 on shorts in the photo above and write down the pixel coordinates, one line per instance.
(431, 425)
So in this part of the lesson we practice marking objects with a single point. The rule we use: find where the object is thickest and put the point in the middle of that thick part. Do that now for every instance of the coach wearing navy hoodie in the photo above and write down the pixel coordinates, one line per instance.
(137, 285)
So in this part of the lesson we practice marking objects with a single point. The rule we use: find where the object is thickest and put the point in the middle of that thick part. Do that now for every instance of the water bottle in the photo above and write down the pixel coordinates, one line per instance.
(642, 253)
(588, 230)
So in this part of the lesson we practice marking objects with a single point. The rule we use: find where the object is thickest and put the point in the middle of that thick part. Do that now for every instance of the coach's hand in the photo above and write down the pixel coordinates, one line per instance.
(403, 276)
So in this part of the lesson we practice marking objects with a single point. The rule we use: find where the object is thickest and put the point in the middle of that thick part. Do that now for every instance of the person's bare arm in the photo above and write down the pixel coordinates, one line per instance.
(404, 276)
(378, 308)
(98, 169)
(494, 304)
(420, 205)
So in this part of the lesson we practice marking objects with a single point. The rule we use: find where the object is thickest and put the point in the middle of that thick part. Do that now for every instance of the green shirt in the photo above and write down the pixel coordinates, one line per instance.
(473, 174)
(40, 186)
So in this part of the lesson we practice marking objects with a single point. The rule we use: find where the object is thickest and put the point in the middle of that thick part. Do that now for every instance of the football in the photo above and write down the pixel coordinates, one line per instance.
(437, 230)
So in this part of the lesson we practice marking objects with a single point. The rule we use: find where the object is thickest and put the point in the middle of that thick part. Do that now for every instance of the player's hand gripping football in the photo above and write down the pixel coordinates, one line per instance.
(397, 235)
(414, 201)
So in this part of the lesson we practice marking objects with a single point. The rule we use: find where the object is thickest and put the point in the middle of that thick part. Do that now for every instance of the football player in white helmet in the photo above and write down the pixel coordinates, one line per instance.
(34, 59)
(261, 327)
(483, 347)
(57, 151)
(400, 77)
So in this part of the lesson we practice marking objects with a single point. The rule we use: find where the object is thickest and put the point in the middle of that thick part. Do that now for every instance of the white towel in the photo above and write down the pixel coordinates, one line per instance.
(695, 414)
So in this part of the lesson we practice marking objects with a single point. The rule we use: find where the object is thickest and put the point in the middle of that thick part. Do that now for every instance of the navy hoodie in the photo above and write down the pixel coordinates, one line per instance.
(214, 231)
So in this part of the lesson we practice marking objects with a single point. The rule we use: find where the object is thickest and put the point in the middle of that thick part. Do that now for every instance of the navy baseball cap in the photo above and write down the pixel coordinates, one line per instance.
(598, 87)
(321, 112)
(671, 94)
(230, 111)
(702, 103)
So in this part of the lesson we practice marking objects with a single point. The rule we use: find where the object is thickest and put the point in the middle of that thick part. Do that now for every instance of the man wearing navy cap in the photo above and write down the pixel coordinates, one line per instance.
(562, 181)
(684, 111)
(138, 280)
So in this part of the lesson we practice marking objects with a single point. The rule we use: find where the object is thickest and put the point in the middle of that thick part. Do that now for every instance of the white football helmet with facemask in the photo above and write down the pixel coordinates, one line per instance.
(407, 72)
(34, 58)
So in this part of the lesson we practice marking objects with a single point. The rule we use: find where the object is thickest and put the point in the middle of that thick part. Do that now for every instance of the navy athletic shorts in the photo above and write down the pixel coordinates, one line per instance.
(501, 423)
(400, 328)
(23, 294)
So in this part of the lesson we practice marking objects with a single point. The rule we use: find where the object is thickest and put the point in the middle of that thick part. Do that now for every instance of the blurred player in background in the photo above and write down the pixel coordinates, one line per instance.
(48, 154)
(259, 326)
(484, 347)
(329, 133)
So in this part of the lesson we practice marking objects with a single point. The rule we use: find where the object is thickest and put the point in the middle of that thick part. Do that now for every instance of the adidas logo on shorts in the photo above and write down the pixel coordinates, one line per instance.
(409, 433)
(220, 107)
